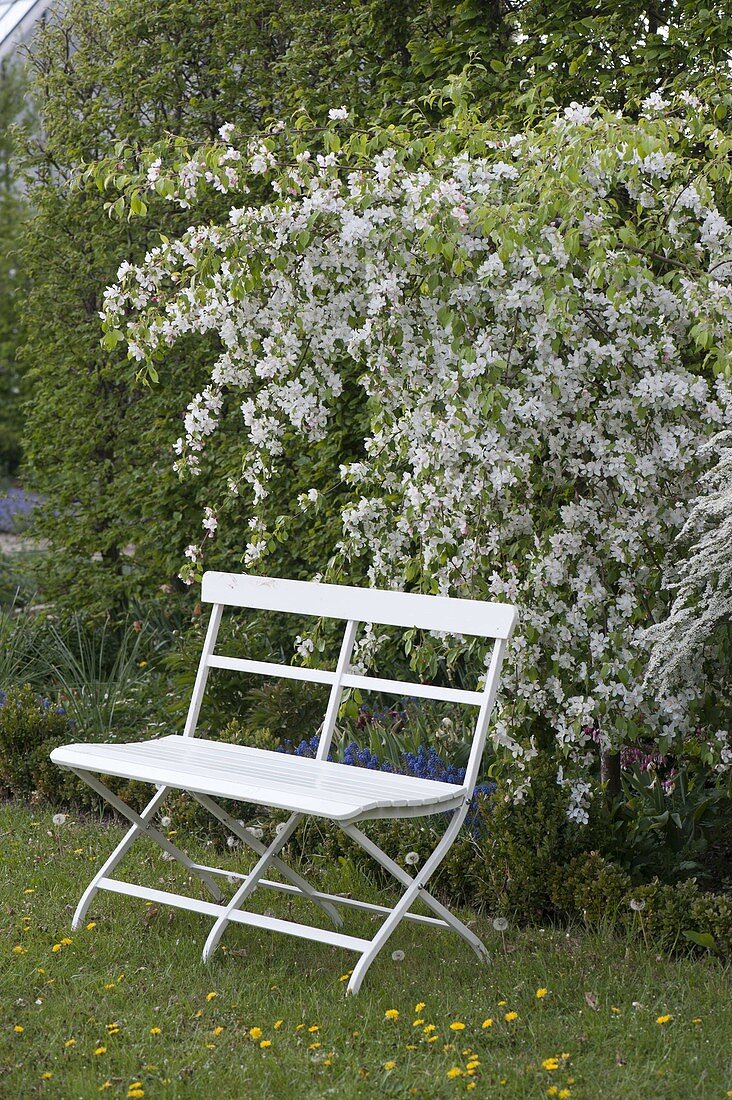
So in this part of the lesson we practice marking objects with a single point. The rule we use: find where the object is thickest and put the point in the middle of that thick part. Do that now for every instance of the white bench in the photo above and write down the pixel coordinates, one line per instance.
(319, 787)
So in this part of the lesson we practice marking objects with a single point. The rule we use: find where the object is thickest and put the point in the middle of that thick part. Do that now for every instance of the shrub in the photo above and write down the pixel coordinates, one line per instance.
(30, 727)
(591, 887)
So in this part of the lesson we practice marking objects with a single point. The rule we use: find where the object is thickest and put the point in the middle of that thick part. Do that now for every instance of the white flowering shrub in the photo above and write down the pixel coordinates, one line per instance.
(701, 583)
(540, 325)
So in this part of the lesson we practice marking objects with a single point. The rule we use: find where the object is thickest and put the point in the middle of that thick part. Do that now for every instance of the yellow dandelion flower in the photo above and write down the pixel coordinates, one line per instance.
(299, 1027)
(90, 925)
(109, 985)
(70, 1043)
(432, 1038)
(420, 1007)
(40, 970)
(265, 1043)
(615, 1010)
(345, 977)
(106, 1085)
(410, 1046)
(120, 977)
(662, 1019)
(56, 947)
(155, 1031)
(473, 1063)
(19, 949)
(30, 890)
(502, 1003)
(210, 996)
(46, 1076)
(314, 1046)
(541, 993)
(392, 1013)
(552, 1090)
(551, 1064)
(417, 1023)
(218, 1030)
(327, 1061)
(389, 1065)
(429, 1027)
(564, 1093)
(100, 1050)
(510, 1016)
(66, 942)
(18, 1029)
(314, 1027)
(457, 1026)
(255, 1033)
(455, 1072)
(278, 1024)
(135, 1094)
(471, 1085)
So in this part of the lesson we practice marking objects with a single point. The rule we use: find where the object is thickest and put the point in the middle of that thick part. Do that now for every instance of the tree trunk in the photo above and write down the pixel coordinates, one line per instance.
(610, 774)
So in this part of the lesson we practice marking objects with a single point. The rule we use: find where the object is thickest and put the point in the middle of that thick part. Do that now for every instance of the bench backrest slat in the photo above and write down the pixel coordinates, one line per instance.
(364, 605)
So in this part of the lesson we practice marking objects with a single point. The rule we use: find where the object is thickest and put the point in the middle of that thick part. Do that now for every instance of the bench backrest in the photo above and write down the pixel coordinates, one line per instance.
(356, 606)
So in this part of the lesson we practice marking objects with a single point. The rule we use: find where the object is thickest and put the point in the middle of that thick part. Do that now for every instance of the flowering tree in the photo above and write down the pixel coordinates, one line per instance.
(540, 326)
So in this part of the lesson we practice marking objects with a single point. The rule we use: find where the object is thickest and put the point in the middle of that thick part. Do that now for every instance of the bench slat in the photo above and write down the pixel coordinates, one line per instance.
(322, 788)
(406, 688)
(364, 605)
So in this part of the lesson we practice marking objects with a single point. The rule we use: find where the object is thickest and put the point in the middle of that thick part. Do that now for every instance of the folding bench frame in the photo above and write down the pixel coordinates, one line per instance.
(356, 605)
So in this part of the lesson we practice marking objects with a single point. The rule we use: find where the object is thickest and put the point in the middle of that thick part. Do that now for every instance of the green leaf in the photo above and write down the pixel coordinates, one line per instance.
(702, 939)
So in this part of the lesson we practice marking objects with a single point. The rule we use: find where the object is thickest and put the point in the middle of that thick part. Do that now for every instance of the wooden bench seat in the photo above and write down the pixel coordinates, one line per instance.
(320, 788)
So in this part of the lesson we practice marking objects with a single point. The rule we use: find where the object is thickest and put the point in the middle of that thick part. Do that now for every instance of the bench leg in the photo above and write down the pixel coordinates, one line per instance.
(141, 826)
(256, 845)
(406, 879)
(415, 889)
(250, 884)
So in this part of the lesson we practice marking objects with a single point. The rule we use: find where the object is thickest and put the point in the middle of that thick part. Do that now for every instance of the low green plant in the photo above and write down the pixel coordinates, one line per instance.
(96, 670)
(30, 727)
(19, 634)
(590, 887)
(665, 822)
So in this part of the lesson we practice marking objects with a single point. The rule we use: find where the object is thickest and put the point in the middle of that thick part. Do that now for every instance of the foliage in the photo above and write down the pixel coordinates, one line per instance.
(30, 727)
(12, 214)
(96, 670)
(137, 70)
(591, 887)
(525, 846)
(18, 646)
(701, 583)
(665, 825)
(567, 289)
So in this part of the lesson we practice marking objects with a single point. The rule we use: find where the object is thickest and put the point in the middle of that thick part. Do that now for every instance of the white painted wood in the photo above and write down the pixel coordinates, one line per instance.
(318, 787)
(301, 885)
(364, 605)
(343, 794)
(202, 675)
(256, 920)
(405, 688)
(408, 688)
(145, 826)
(334, 899)
(268, 668)
(334, 700)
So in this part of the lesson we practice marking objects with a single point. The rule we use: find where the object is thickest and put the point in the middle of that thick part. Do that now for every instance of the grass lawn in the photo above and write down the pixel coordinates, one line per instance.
(126, 1008)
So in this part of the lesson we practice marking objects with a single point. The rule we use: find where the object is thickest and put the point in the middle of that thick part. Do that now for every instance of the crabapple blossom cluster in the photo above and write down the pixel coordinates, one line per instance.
(535, 365)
